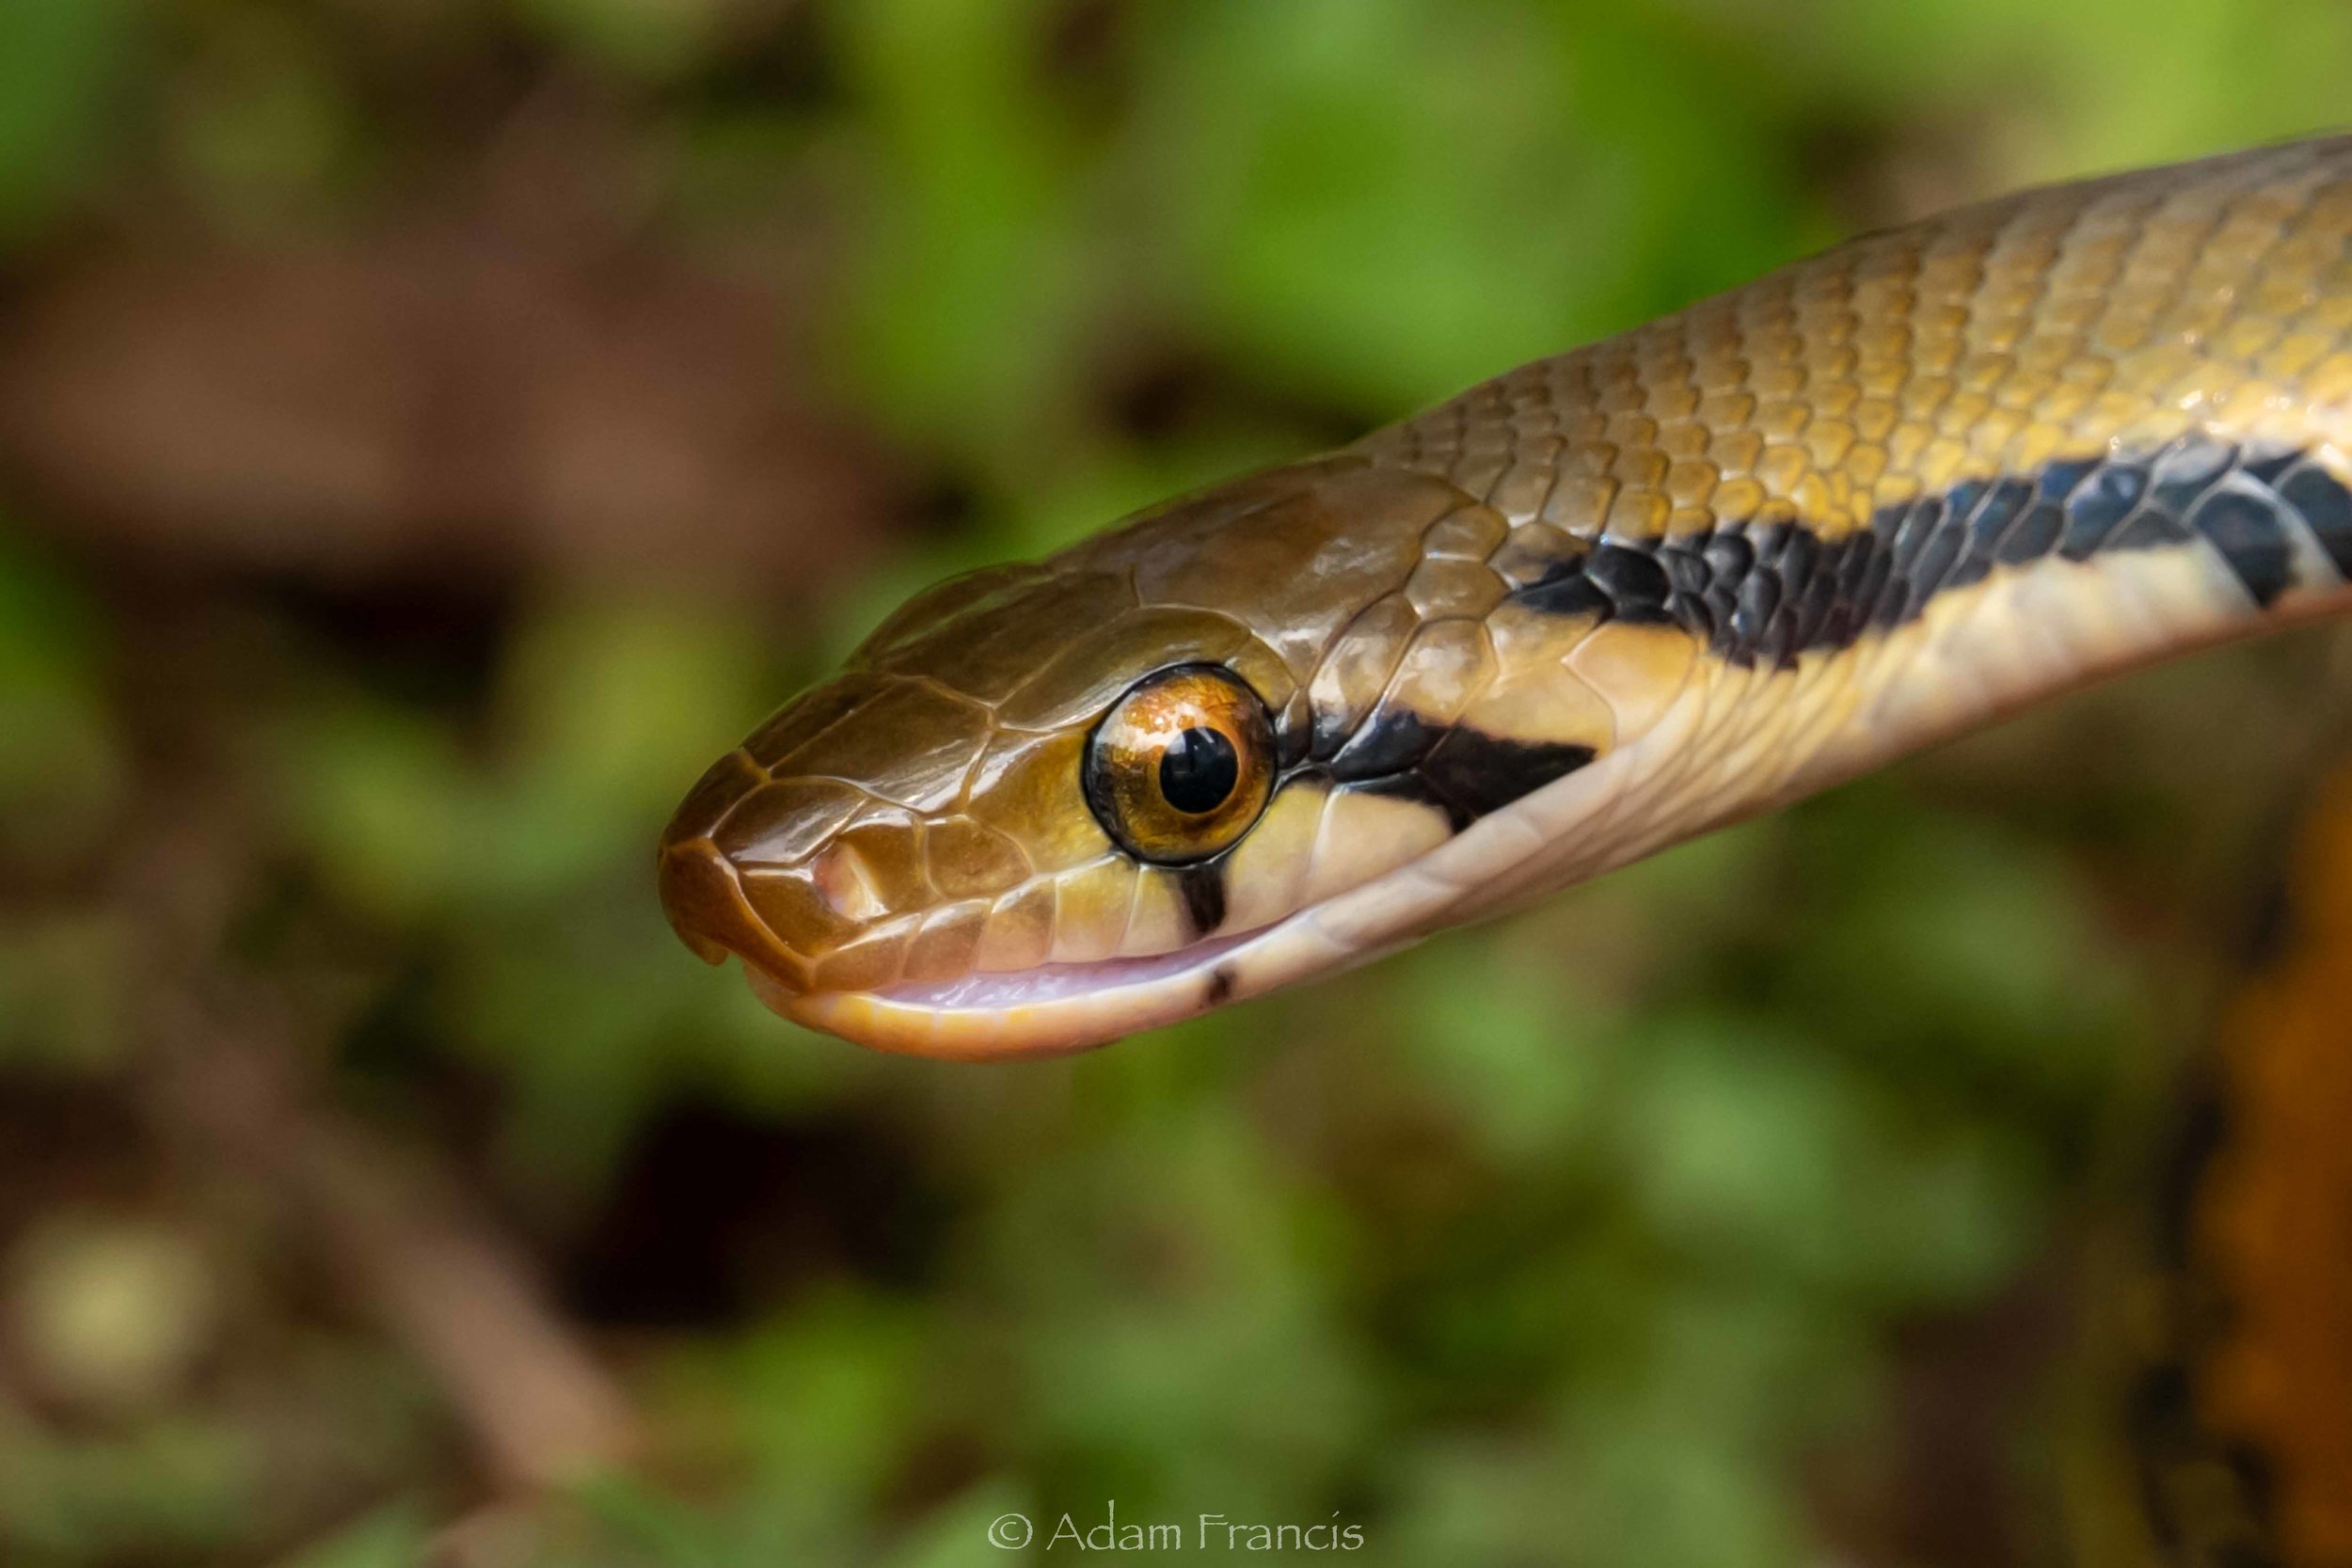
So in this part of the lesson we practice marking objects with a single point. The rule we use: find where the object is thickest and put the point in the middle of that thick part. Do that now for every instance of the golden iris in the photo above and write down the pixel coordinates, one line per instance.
(1182, 764)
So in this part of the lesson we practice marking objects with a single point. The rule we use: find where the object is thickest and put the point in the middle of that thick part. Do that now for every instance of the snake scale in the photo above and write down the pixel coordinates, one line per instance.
(1597, 605)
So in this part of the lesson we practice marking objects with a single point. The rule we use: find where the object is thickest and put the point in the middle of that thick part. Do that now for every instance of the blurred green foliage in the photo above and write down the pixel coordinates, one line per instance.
(1594, 1238)
(65, 61)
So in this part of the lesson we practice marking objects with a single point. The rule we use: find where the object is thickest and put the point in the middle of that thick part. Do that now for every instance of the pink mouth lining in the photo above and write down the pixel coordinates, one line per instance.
(1057, 982)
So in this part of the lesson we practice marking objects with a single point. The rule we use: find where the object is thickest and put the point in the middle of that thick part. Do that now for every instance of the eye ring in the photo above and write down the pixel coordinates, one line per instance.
(1182, 764)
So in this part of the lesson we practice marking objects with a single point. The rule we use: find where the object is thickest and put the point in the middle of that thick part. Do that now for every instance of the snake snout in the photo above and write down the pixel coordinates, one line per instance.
(707, 908)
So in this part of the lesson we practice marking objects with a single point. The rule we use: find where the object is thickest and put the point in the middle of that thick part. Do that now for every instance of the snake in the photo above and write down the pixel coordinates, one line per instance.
(1598, 605)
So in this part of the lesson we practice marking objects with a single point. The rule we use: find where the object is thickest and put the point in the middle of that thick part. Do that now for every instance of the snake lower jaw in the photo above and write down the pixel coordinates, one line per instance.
(1053, 1010)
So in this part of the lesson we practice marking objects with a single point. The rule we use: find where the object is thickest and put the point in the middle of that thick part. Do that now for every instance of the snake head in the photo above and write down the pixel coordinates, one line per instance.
(1051, 804)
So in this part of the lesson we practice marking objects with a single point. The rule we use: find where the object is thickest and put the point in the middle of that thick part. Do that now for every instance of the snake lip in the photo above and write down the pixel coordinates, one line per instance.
(1048, 982)
(1049, 1010)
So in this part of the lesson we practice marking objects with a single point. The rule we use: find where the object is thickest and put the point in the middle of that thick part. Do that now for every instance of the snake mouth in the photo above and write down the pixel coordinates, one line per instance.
(1050, 1010)
(1055, 982)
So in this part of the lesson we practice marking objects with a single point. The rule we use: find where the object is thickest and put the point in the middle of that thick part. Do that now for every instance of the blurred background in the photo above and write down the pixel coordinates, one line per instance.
(432, 430)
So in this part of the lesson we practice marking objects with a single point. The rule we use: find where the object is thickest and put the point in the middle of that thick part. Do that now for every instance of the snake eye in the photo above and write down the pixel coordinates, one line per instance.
(1182, 764)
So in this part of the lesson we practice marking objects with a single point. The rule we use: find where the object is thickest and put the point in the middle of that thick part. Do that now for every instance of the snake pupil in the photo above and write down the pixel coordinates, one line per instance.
(1198, 770)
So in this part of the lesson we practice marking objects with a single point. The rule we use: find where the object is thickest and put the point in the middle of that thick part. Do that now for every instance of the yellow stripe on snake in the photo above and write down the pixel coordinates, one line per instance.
(1605, 602)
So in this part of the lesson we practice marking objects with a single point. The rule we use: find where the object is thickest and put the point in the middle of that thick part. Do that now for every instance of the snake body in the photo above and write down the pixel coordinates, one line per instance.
(1602, 603)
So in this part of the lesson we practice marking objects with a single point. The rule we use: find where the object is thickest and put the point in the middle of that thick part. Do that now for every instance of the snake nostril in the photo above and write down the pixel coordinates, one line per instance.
(709, 913)
(847, 885)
